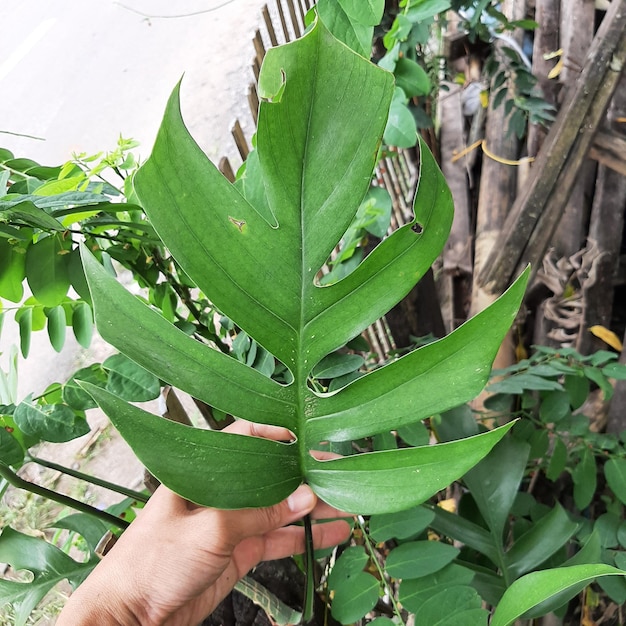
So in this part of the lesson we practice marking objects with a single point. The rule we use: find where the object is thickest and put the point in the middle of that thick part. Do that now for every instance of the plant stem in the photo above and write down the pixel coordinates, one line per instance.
(309, 574)
(125, 491)
(13, 479)
(370, 548)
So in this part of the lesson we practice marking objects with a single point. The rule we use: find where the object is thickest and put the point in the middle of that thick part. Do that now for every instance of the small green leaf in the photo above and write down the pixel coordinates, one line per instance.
(615, 473)
(130, 381)
(75, 396)
(558, 460)
(414, 592)
(584, 476)
(24, 318)
(455, 606)
(401, 130)
(337, 364)
(56, 326)
(534, 588)
(11, 452)
(82, 323)
(419, 558)
(12, 270)
(47, 271)
(48, 564)
(400, 525)
(415, 434)
(51, 422)
(354, 597)
(352, 560)
(578, 389)
(411, 78)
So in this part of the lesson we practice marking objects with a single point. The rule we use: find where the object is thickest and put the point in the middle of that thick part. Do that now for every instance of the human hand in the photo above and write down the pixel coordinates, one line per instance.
(177, 560)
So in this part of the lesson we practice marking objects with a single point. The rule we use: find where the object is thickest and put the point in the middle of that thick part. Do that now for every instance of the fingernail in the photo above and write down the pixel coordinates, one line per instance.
(301, 500)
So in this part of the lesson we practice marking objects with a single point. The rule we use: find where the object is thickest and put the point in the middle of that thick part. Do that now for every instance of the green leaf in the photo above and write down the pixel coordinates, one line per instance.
(46, 270)
(401, 525)
(12, 270)
(56, 326)
(129, 380)
(89, 527)
(584, 476)
(465, 531)
(75, 396)
(540, 542)
(48, 564)
(401, 130)
(495, 480)
(354, 597)
(24, 318)
(11, 452)
(29, 214)
(578, 389)
(615, 474)
(317, 144)
(50, 422)
(414, 592)
(455, 606)
(352, 560)
(530, 590)
(337, 364)
(411, 78)
(558, 460)
(427, 9)
(82, 323)
(419, 558)
(349, 23)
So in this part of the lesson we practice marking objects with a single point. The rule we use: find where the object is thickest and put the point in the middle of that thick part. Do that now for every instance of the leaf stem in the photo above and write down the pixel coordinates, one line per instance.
(372, 553)
(13, 479)
(125, 491)
(309, 574)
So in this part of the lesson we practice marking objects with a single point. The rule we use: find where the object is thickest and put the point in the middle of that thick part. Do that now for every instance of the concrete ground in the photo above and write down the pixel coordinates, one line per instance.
(77, 75)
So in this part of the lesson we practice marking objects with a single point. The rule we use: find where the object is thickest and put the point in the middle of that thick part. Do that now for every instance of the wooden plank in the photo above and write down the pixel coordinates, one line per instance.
(225, 167)
(294, 19)
(546, 40)
(283, 21)
(609, 149)
(535, 215)
(606, 228)
(253, 102)
(259, 48)
(457, 254)
(269, 25)
(240, 140)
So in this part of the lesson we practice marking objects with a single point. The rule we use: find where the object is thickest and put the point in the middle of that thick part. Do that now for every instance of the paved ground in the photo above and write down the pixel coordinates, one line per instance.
(80, 73)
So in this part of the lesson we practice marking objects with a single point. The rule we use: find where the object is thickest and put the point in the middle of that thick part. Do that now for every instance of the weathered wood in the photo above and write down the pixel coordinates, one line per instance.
(259, 47)
(577, 24)
(225, 167)
(294, 19)
(253, 102)
(577, 27)
(535, 215)
(269, 25)
(240, 140)
(610, 149)
(605, 236)
(546, 40)
(498, 180)
(457, 254)
(283, 22)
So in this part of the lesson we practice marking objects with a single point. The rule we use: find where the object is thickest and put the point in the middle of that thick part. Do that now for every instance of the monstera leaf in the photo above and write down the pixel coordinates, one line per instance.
(255, 249)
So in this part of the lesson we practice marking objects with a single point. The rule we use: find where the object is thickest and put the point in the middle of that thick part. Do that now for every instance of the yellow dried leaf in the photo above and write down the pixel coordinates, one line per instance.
(608, 336)
(556, 70)
(448, 505)
(484, 98)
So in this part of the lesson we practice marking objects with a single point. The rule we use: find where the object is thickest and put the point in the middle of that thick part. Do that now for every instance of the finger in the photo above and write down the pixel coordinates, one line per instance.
(286, 542)
(324, 511)
(238, 525)
(265, 431)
